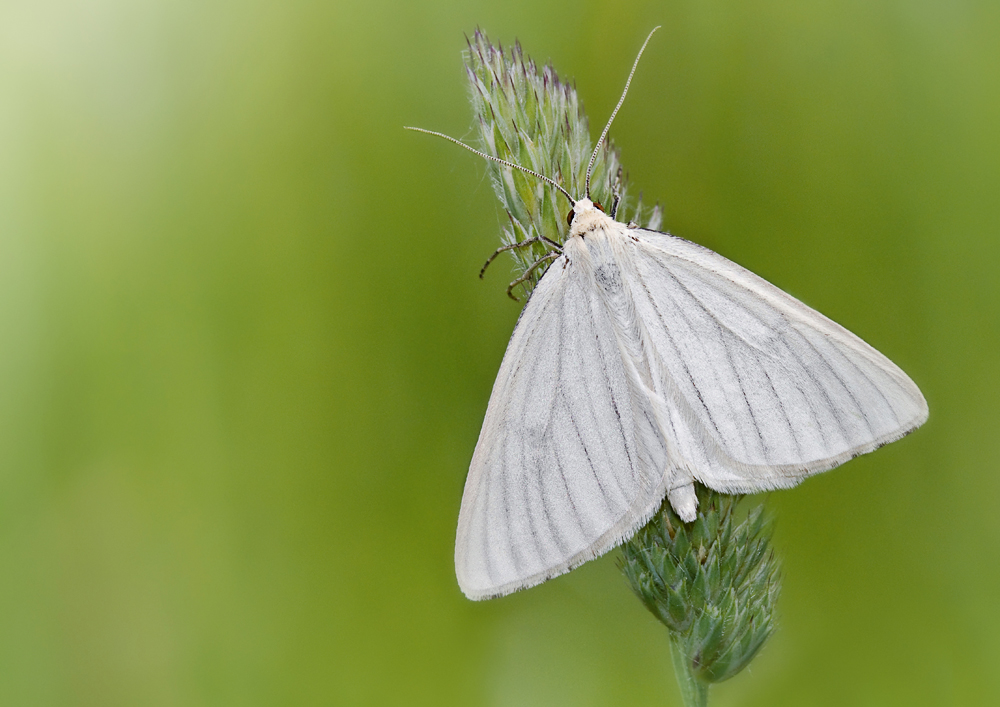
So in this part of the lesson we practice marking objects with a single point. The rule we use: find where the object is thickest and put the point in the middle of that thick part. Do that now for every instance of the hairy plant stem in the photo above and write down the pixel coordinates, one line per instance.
(694, 692)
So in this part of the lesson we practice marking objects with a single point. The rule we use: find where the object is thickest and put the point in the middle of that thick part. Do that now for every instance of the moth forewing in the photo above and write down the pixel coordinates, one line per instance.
(570, 461)
(765, 389)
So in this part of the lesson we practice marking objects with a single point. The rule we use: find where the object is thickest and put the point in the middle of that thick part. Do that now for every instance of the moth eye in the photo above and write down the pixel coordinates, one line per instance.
(569, 217)
(599, 207)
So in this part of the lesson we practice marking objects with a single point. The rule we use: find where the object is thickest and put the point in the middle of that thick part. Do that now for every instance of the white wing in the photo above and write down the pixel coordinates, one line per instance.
(570, 460)
(762, 390)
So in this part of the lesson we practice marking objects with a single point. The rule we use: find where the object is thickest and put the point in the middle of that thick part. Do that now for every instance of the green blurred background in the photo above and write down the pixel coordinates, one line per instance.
(244, 354)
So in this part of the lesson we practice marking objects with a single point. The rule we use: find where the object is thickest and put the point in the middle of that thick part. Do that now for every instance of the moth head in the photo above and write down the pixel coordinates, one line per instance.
(582, 206)
(585, 217)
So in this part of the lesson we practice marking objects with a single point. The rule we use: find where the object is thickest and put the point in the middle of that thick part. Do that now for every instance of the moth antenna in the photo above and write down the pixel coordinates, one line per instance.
(533, 173)
(593, 157)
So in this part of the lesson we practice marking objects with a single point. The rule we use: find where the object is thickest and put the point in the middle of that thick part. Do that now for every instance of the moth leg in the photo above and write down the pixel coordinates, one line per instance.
(522, 244)
(502, 249)
(527, 273)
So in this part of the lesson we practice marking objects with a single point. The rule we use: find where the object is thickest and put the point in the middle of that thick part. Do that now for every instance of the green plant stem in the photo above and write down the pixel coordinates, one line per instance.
(694, 692)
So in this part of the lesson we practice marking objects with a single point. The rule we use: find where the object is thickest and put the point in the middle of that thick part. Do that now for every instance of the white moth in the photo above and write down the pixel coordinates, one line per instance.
(642, 363)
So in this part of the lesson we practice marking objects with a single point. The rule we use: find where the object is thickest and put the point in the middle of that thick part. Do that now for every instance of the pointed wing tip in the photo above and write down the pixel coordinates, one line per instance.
(924, 412)
(920, 412)
(916, 423)
(478, 587)
(468, 589)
